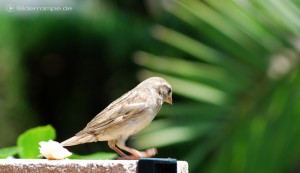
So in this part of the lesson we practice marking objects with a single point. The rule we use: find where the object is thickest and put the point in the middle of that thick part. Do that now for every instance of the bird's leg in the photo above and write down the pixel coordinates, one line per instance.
(112, 145)
(135, 153)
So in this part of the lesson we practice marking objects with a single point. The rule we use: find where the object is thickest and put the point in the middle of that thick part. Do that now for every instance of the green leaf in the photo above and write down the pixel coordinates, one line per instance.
(28, 142)
(99, 155)
(162, 133)
(8, 151)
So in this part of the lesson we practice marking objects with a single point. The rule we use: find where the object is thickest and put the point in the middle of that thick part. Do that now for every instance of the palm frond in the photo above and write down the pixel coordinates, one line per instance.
(238, 106)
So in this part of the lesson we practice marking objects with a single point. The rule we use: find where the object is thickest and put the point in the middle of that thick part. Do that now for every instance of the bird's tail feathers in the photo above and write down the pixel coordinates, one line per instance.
(76, 140)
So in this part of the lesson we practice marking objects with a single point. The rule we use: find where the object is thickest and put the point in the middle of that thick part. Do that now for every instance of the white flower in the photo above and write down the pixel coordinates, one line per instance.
(52, 150)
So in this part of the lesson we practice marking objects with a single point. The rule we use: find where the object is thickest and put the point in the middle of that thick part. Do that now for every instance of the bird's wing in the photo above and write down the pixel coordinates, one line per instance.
(127, 106)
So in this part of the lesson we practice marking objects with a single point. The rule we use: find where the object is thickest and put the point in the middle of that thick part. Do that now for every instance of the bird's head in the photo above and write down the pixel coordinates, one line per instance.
(161, 86)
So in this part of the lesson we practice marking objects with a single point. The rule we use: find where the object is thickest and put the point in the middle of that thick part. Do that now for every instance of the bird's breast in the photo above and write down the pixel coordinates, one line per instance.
(140, 122)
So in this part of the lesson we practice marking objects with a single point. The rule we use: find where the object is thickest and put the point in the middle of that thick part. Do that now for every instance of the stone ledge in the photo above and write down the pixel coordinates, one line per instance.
(83, 166)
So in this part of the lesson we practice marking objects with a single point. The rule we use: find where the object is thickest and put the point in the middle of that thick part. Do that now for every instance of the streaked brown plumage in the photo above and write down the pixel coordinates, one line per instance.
(125, 117)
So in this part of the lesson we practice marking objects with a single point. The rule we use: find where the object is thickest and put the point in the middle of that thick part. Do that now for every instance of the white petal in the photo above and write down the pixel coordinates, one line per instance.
(52, 150)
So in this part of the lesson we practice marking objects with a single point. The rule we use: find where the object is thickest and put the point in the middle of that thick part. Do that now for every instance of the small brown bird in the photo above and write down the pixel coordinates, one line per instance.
(125, 117)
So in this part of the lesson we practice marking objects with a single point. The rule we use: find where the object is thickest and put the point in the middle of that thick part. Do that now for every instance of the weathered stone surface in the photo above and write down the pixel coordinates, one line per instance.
(70, 166)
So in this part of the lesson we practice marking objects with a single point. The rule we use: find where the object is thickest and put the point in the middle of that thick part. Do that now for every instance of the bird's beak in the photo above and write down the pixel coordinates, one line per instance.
(169, 100)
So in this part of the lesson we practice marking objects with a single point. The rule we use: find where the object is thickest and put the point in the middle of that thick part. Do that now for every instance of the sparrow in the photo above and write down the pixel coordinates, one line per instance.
(126, 116)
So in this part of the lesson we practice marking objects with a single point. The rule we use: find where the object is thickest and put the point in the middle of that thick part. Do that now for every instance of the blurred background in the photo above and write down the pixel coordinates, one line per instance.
(233, 65)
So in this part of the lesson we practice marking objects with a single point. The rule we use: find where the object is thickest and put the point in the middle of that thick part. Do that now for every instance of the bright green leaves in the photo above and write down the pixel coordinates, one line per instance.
(28, 142)
(28, 145)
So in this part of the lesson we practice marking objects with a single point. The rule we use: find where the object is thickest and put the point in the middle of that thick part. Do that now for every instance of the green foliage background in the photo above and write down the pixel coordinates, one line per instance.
(233, 66)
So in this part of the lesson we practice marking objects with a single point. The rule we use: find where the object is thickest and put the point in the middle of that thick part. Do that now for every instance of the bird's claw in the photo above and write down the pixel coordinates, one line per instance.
(148, 153)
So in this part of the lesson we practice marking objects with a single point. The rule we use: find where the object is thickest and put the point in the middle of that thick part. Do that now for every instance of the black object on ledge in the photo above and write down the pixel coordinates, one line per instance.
(157, 165)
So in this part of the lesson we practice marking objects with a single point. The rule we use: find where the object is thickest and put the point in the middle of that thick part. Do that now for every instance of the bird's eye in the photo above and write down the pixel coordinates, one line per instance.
(169, 91)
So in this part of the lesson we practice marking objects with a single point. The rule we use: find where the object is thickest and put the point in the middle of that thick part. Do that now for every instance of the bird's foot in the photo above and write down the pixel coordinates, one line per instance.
(140, 154)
